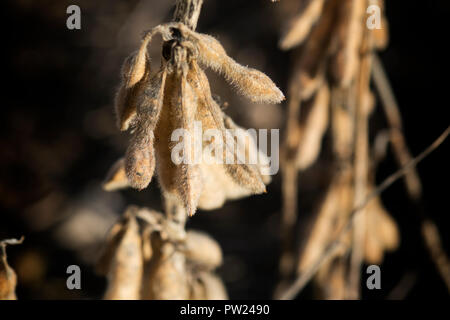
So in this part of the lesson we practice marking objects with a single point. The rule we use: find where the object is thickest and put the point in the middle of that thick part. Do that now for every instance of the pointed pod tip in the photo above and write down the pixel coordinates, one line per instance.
(284, 44)
(191, 211)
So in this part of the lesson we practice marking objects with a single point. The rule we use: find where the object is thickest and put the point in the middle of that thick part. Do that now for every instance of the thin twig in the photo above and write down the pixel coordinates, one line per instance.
(430, 233)
(304, 278)
(401, 290)
(392, 111)
(432, 240)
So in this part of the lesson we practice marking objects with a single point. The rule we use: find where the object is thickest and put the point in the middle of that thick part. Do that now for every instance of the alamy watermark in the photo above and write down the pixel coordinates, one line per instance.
(73, 22)
(374, 20)
(74, 280)
(374, 280)
(229, 146)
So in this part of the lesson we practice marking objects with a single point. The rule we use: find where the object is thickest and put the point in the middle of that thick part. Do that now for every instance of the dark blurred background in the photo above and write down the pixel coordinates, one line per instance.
(58, 139)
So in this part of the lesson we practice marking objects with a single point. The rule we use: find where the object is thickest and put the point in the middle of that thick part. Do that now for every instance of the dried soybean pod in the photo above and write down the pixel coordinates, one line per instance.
(127, 96)
(116, 177)
(213, 286)
(313, 129)
(197, 290)
(385, 226)
(246, 175)
(382, 232)
(380, 35)
(164, 129)
(203, 250)
(249, 82)
(373, 247)
(180, 179)
(251, 148)
(320, 232)
(8, 277)
(126, 264)
(215, 181)
(300, 26)
(349, 34)
(166, 277)
(329, 220)
(135, 73)
(135, 76)
(140, 157)
(309, 68)
(140, 161)
(342, 125)
(188, 176)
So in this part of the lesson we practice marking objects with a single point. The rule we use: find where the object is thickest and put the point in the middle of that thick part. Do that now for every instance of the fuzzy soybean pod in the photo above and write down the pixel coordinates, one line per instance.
(203, 250)
(122, 260)
(299, 27)
(246, 175)
(188, 178)
(8, 277)
(116, 177)
(249, 82)
(135, 74)
(140, 157)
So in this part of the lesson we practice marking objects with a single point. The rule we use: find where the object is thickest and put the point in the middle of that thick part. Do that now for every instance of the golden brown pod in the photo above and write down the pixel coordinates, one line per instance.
(203, 250)
(122, 260)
